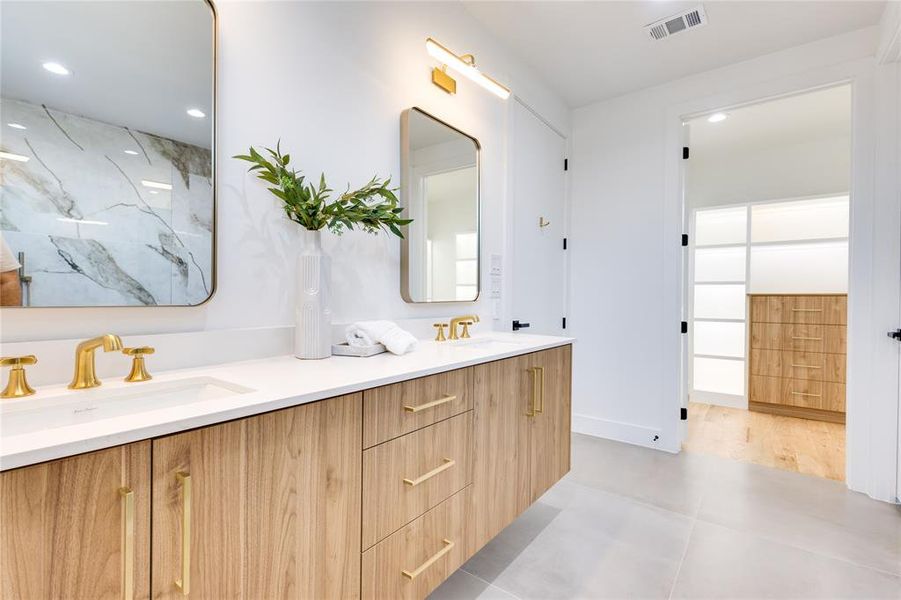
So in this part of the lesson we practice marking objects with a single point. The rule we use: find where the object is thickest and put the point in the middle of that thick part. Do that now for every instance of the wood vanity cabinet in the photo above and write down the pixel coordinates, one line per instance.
(522, 436)
(379, 494)
(78, 527)
(271, 505)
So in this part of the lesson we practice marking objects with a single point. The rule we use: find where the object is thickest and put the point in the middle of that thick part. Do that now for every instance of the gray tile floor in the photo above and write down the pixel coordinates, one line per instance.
(628, 522)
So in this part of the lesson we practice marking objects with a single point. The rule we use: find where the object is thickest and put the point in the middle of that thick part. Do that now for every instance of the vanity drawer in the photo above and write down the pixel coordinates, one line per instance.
(407, 476)
(799, 337)
(816, 366)
(393, 410)
(808, 310)
(415, 560)
(820, 395)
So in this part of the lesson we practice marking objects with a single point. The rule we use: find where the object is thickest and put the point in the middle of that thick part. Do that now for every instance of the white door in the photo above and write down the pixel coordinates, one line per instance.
(538, 224)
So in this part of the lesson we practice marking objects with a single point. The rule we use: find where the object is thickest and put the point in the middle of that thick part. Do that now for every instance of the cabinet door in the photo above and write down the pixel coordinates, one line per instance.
(551, 426)
(77, 527)
(500, 490)
(271, 505)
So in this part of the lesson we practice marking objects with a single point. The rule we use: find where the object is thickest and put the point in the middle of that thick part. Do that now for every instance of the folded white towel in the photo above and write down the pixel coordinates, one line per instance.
(367, 333)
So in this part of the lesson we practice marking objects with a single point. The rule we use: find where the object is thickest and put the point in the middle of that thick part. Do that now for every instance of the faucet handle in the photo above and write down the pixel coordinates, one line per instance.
(440, 337)
(138, 368)
(466, 325)
(17, 387)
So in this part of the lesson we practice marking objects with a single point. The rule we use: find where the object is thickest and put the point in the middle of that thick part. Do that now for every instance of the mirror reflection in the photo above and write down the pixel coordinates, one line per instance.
(106, 139)
(440, 189)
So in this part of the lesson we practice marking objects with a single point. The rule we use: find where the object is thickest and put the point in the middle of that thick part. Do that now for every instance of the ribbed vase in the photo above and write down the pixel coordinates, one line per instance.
(313, 313)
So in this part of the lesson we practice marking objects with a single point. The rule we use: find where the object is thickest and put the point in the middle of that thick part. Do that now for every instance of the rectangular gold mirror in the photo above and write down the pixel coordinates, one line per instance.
(440, 191)
(107, 193)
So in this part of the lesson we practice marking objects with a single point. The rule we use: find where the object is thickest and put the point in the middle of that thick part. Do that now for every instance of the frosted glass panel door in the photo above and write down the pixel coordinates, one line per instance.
(719, 304)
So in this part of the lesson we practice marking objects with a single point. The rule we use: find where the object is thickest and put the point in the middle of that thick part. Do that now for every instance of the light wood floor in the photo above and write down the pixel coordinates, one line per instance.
(787, 443)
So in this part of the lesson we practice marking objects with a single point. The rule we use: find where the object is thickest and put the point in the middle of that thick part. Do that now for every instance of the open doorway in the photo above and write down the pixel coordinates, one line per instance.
(767, 204)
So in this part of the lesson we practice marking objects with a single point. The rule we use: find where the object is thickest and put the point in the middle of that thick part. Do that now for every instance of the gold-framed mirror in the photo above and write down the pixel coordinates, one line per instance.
(440, 255)
(107, 187)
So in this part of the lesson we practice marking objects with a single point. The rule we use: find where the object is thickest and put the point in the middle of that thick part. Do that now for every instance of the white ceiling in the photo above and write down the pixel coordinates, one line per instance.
(134, 64)
(589, 51)
(819, 115)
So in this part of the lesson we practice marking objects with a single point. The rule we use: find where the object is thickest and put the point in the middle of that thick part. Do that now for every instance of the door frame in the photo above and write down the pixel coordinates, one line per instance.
(872, 398)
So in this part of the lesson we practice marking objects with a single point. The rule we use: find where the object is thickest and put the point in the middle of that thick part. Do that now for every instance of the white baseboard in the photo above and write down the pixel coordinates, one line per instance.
(623, 432)
(727, 400)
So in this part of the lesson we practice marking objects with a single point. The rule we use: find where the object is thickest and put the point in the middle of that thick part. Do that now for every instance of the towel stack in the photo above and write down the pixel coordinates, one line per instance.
(387, 333)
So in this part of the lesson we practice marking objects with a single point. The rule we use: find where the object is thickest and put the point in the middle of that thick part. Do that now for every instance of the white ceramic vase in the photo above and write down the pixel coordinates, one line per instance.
(313, 312)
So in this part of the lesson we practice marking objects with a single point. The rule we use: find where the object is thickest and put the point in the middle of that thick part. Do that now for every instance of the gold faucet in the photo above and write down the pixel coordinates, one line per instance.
(467, 320)
(85, 376)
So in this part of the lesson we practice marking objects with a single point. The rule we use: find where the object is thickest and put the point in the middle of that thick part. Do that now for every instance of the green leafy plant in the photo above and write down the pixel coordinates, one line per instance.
(373, 207)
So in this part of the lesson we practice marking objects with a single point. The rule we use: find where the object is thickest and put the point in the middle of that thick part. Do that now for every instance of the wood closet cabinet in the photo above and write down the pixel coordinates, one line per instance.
(521, 436)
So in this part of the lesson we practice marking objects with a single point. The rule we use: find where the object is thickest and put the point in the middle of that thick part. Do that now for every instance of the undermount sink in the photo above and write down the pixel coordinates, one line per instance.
(487, 343)
(73, 408)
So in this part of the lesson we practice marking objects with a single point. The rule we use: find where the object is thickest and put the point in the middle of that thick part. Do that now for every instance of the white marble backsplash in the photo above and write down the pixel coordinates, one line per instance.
(92, 233)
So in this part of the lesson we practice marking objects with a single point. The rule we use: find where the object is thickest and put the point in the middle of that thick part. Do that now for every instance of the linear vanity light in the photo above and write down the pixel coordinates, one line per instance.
(156, 184)
(15, 157)
(465, 65)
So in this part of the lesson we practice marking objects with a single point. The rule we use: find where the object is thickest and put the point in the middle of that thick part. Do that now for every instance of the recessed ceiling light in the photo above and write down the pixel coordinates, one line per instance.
(196, 113)
(15, 157)
(56, 68)
(17, 126)
(717, 117)
(131, 152)
(156, 184)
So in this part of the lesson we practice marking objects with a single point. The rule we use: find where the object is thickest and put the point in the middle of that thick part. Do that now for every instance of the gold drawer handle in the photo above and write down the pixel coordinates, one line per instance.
(807, 310)
(128, 543)
(448, 546)
(443, 400)
(806, 394)
(809, 339)
(807, 367)
(184, 582)
(537, 392)
(448, 463)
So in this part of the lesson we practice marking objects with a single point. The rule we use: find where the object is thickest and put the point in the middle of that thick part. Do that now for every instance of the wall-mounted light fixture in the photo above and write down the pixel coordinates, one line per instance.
(463, 64)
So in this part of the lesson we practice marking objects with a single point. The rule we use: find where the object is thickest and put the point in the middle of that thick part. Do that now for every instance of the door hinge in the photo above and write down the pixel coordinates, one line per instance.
(683, 414)
(685, 239)
(564, 322)
(684, 327)
(684, 152)
(566, 164)
(564, 243)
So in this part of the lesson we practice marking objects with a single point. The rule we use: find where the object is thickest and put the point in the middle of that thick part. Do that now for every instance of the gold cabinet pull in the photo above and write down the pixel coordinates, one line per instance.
(807, 310)
(541, 395)
(533, 405)
(794, 393)
(184, 582)
(809, 339)
(448, 546)
(448, 463)
(128, 543)
(443, 400)
(806, 367)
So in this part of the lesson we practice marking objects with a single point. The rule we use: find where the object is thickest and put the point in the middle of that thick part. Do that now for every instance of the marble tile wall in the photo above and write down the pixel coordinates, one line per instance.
(93, 234)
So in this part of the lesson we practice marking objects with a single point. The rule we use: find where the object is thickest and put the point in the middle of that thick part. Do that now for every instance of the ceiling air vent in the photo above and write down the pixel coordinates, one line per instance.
(683, 21)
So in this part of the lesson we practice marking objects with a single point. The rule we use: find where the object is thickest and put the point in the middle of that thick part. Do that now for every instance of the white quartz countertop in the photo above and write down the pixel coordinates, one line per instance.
(58, 422)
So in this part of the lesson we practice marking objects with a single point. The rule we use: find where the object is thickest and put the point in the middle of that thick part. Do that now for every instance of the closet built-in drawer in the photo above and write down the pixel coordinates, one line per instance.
(393, 410)
(416, 559)
(817, 366)
(811, 310)
(802, 393)
(405, 477)
(799, 337)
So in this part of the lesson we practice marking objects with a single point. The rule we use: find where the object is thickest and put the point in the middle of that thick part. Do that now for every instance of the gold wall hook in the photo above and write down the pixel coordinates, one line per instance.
(440, 337)
(138, 368)
(17, 386)
(542, 223)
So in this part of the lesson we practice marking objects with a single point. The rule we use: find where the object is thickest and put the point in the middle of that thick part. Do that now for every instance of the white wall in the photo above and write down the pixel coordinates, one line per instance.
(330, 80)
(627, 262)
